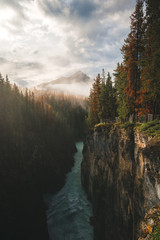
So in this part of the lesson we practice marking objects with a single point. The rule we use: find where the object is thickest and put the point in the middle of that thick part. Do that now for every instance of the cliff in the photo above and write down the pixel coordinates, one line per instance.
(120, 172)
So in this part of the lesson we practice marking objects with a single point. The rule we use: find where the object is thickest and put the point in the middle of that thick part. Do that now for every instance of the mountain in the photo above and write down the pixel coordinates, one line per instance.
(78, 84)
(78, 77)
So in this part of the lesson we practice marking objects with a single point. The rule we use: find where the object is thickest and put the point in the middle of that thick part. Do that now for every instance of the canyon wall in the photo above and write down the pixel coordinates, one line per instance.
(121, 174)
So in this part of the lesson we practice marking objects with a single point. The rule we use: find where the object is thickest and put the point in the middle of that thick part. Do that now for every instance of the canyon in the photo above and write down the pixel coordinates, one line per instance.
(121, 175)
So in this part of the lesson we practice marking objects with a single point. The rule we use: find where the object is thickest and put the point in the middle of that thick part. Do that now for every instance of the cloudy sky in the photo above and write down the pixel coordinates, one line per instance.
(41, 40)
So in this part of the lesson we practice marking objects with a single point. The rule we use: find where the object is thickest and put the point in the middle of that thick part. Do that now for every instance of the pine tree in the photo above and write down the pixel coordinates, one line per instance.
(94, 101)
(110, 99)
(107, 101)
(102, 100)
(120, 85)
(132, 51)
(151, 58)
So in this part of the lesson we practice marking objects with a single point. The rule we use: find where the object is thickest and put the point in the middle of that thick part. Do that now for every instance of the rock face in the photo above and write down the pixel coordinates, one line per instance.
(120, 172)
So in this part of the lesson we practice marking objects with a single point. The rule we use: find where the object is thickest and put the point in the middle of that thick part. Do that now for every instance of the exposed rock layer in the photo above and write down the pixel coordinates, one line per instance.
(120, 172)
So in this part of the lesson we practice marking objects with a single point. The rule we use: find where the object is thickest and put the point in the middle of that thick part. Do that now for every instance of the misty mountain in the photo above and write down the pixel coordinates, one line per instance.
(78, 77)
(78, 83)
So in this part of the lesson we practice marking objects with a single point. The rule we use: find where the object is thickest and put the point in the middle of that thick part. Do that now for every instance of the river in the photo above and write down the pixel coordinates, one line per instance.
(69, 210)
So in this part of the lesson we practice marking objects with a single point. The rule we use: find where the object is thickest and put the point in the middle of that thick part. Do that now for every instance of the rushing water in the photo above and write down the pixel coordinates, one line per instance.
(69, 210)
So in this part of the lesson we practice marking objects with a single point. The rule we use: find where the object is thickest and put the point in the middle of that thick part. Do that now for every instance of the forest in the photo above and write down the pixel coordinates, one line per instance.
(135, 90)
(37, 142)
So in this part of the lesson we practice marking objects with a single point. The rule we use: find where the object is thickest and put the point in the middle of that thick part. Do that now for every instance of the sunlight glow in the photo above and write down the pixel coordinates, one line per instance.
(59, 37)
(6, 14)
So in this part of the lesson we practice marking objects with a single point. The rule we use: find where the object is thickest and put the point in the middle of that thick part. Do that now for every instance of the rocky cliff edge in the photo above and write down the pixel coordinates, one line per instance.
(121, 174)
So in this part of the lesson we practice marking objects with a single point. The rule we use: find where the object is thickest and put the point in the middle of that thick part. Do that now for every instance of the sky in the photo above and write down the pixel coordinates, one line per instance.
(41, 40)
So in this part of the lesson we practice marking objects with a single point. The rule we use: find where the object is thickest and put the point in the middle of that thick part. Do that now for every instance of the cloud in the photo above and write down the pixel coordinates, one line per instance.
(12, 11)
(28, 65)
(41, 40)
(83, 9)
(3, 60)
(14, 4)
(96, 22)
(77, 88)
(60, 61)
(21, 82)
(116, 5)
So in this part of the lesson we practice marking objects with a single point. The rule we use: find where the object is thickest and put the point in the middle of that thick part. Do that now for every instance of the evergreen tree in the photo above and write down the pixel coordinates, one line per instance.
(102, 100)
(151, 59)
(132, 51)
(107, 102)
(94, 101)
(120, 85)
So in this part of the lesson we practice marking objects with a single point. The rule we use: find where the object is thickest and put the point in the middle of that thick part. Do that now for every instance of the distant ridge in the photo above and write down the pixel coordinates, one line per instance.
(78, 84)
(78, 77)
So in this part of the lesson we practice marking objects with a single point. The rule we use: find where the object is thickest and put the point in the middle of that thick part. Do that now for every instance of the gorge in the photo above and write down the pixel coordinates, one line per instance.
(120, 172)
(69, 211)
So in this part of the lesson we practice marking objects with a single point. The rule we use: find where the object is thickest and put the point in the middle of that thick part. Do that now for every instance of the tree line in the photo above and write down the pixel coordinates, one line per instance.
(37, 142)
(136, 88)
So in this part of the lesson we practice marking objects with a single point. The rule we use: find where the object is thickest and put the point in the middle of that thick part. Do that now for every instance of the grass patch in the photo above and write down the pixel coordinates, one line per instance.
(103, 126)
(156, 233)
(127, 125)
(100, 125)
(151, 128)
